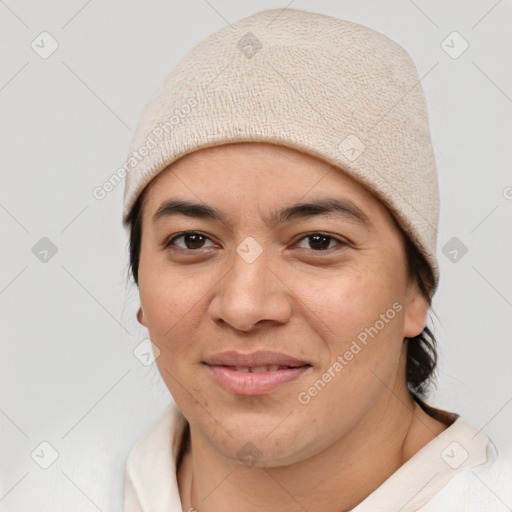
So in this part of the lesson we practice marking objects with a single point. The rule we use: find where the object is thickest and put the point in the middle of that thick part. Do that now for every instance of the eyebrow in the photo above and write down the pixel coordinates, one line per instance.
(321, 206)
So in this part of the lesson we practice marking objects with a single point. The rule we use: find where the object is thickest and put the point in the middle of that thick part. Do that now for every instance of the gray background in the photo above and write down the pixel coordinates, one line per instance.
(68, 375)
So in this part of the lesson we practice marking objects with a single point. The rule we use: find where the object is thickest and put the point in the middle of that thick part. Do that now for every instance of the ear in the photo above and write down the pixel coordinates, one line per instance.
(140, 317)
(416, 311)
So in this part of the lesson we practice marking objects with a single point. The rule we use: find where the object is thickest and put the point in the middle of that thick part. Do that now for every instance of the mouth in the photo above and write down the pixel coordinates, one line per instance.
(258, 359)
(261, 369)
(255, 374)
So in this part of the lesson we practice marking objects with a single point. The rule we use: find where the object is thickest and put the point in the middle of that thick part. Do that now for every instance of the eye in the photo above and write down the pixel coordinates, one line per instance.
(195, 240)
(192, 240)
(321, 241)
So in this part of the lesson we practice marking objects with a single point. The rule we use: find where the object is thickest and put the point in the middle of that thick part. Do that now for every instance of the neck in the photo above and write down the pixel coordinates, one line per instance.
(334, 480)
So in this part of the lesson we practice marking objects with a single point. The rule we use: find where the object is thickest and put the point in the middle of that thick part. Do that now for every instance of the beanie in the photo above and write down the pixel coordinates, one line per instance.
(329, 87)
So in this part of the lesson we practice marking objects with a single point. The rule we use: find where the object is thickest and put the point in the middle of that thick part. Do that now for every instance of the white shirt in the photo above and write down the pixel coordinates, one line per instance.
(457, 471)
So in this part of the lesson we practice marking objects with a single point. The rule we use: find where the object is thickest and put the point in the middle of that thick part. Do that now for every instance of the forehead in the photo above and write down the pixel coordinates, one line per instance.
(234, 176)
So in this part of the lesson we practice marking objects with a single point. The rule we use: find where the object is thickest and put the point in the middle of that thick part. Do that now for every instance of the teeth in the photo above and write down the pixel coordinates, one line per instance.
(259, 369)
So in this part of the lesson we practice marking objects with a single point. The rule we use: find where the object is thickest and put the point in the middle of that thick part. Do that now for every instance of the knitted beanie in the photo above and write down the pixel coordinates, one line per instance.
(329, 87)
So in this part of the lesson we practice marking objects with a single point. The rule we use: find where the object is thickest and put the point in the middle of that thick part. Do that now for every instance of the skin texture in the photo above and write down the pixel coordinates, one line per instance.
(332, 452)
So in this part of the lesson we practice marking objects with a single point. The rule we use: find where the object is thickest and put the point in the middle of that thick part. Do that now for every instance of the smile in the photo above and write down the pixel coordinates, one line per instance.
(259, 369)
(254, 380)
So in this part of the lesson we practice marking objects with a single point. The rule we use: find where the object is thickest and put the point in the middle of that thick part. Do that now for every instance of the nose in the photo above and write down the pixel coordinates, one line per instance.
(251, 293)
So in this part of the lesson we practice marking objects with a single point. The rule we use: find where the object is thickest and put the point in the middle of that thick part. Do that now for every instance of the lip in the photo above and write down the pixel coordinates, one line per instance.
(253, 384)
(259, 358)
(221, 367)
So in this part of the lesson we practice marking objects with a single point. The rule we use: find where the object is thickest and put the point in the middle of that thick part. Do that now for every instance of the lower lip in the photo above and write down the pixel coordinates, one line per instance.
(253, 384)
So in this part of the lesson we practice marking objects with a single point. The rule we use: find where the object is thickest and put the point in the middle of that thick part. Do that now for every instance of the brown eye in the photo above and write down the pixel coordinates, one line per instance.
(192, 240)
(321, 241)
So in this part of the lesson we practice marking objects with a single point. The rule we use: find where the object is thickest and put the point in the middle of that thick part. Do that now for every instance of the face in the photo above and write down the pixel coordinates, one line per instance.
(252, 279)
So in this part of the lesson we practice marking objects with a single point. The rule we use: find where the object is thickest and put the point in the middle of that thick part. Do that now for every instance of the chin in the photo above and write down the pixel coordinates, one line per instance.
(258, 448)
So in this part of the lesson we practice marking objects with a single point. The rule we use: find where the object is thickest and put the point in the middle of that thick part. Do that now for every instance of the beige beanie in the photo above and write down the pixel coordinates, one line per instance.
(329, 87)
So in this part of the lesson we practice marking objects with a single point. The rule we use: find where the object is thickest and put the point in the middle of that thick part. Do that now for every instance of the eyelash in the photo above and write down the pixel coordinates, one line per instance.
(169, 243)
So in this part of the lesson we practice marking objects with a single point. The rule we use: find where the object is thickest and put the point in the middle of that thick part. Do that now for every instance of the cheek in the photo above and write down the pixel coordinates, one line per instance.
(163, 291)
(347, 306)
(363, 347)
(365, 313)
(360, 320)
(172, 304)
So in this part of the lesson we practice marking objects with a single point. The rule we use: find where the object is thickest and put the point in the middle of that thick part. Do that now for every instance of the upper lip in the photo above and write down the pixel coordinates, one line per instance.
(259, 358)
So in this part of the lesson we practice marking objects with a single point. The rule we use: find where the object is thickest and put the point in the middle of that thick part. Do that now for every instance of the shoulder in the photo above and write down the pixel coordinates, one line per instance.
(487, 486)
(159, 440)
(150, 472)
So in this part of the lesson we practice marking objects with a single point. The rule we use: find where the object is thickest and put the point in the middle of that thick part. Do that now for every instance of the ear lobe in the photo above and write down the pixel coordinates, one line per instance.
(140, 317)
(416, 311)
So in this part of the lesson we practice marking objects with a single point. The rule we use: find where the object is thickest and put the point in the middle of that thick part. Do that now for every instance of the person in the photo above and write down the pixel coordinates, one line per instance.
(282, 204)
